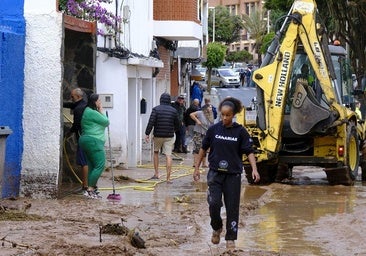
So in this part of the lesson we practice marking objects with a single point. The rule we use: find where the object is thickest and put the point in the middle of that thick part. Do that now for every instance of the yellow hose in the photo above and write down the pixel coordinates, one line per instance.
(153, 182)
(188, 171)
(68, 162)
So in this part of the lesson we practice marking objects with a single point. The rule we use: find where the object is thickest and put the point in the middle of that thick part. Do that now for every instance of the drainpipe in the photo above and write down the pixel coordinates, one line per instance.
(138, 111)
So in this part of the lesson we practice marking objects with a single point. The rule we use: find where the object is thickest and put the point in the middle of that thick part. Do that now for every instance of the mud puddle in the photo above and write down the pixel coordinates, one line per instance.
(308, 217)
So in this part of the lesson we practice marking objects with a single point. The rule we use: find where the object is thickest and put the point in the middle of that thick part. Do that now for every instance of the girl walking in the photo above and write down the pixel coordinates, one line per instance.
(227, 141)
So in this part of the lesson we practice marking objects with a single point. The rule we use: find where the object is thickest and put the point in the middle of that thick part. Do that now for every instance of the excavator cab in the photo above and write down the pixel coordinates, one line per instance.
(311, 114)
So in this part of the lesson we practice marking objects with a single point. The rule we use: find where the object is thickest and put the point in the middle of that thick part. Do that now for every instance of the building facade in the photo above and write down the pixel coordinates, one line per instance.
(152, 33)
(41, 55)
(12, 31)
(240, 7)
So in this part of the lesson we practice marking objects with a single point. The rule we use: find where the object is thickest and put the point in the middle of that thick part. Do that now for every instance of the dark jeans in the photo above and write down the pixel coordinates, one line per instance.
(221, 184)
(180, 138)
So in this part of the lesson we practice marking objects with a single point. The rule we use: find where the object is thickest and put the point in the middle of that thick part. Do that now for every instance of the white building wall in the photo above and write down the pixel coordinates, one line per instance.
(139, 29)
(111, 79)
(128, 81)
(42, 99)
(137, 25)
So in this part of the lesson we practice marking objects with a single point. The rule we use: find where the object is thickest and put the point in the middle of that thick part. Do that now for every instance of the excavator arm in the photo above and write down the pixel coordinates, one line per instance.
(302, 112)
(273, 80)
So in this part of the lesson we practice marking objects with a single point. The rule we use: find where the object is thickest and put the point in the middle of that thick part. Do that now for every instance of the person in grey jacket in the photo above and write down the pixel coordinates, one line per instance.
(164, 122)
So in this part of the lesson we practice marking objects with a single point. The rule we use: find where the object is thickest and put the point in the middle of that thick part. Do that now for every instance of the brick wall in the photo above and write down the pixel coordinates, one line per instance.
(164, 73)
(213, 3)
(174, 86)
(185, 10)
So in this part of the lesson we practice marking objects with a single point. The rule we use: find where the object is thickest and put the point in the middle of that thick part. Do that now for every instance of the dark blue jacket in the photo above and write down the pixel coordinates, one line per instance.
(227, 146)
(196, 92)
(78, 110)
(163, 118)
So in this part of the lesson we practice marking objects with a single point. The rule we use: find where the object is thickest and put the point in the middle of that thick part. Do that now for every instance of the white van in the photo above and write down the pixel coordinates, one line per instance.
(224, 77)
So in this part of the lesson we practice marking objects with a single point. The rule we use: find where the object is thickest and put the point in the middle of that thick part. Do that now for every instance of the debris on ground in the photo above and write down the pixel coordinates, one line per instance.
(182, 199)
(13, 210)
(120, 229)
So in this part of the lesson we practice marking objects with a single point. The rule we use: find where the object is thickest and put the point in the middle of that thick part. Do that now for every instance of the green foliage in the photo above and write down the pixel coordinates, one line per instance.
(267, 39)
(277, 18)
(62, 5)
(215, 55)
(281, 5)
(215, 58)
(239, 56)
(257, 27)
(227, 27)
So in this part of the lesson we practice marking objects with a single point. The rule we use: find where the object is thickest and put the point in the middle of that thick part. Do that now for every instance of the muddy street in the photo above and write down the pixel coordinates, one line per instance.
(307, 217)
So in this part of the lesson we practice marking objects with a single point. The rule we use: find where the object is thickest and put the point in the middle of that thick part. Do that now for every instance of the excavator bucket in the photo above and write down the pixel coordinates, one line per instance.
(305, 111)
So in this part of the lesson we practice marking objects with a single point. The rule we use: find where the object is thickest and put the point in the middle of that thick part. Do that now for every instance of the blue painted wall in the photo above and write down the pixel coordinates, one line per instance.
(12, 42)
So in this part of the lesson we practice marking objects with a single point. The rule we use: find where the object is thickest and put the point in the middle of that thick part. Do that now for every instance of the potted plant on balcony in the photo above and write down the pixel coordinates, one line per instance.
(82, 15)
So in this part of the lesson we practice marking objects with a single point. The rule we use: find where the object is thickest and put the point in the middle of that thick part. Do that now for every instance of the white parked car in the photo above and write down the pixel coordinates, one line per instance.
(224, 77)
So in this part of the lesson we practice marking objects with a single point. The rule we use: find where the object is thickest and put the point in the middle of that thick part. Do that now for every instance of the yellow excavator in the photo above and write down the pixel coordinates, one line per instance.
(304, 108)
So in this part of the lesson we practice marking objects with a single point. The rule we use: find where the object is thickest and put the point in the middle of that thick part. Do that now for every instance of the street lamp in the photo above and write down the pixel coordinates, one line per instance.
(213, 23)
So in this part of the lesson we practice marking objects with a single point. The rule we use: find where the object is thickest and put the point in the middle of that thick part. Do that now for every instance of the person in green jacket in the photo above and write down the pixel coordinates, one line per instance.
(92, 140)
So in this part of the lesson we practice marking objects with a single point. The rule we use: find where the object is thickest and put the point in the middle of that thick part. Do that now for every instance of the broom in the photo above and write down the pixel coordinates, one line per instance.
(112, 196)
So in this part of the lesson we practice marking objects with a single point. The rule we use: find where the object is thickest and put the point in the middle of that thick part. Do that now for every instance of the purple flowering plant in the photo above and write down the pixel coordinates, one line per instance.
(93, 10)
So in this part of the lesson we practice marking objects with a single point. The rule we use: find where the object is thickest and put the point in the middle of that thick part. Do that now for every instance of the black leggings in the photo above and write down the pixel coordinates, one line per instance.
(222, 184)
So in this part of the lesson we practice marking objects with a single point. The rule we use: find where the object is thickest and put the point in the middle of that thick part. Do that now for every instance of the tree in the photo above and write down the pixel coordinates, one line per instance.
(267, 39)
(349, 19)
(227, 27)
(282, 5)
(257, 28)
(240, 56)
(215, 58)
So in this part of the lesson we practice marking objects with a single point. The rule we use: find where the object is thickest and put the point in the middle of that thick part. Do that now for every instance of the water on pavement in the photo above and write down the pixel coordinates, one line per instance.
(274, 218)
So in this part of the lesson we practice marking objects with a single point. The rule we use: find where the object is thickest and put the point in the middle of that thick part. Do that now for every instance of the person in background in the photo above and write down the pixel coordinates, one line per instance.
(189, 122)
(305, 74)
(248, 75)
(242, 76)
(214, 110)
(358, 110)
(196, 92)
(164, 120)
(180, 134)
(204, 119)
(78, 106)
(92, 140)
(227, 141)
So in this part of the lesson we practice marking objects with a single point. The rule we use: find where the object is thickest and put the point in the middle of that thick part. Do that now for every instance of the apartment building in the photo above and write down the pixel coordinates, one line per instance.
(182, 24)
(239, 7)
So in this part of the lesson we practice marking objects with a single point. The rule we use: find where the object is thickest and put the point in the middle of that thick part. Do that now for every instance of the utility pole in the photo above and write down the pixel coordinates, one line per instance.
(213, 22)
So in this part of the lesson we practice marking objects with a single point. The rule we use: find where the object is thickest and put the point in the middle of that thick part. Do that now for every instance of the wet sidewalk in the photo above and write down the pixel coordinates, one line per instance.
(134, 179)
(129, 183)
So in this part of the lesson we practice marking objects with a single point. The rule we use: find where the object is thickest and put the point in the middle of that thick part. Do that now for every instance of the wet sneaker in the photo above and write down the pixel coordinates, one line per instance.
(96, 191)
(230, 244)
(92, 195)
(215, 239)
(97, 196)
